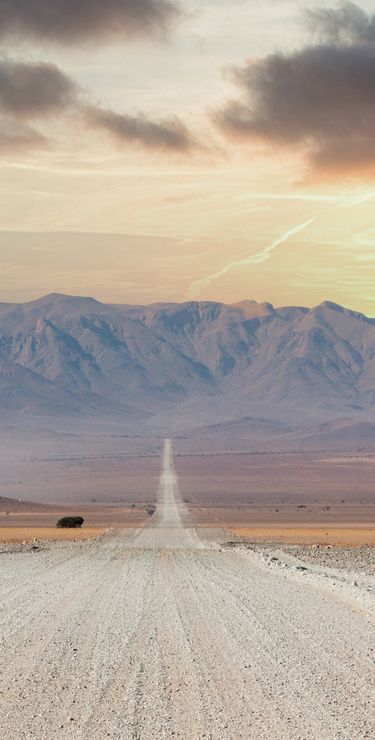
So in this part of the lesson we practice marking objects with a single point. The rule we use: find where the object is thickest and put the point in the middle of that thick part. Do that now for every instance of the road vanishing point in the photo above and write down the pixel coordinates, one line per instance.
(169, 632)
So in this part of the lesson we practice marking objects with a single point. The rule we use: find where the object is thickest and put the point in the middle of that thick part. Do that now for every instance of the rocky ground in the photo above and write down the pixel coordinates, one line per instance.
(171, 632)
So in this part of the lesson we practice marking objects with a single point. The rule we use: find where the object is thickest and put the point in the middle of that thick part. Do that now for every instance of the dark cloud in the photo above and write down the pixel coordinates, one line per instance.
(346, 23)
(33, 90)
(16, 137)
(36, 91)
(320, 99)
(169, 134)
(72, 21)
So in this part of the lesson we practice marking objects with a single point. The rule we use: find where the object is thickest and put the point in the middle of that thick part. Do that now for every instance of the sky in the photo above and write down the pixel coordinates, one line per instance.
(172, 150)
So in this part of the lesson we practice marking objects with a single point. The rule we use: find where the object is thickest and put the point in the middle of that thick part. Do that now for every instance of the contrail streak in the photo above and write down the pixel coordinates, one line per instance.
(255, 259)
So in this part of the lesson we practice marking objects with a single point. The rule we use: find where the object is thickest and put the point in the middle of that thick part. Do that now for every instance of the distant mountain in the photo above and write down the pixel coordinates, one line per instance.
(63, 355)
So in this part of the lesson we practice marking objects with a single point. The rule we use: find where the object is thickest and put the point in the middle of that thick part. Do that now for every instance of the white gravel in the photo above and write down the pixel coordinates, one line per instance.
(161, 634)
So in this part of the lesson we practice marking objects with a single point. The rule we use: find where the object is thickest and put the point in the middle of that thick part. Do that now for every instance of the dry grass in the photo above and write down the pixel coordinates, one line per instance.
(26, 526)
(15, 535)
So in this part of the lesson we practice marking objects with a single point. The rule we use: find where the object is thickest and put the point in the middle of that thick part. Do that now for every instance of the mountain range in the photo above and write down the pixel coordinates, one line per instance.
(245, 369)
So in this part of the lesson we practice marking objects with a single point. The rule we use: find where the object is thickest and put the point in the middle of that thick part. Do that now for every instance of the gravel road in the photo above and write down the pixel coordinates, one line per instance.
(171, 633)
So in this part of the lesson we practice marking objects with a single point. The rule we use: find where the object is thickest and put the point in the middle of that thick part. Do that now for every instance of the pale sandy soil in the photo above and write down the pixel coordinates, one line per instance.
(28, 534)
(351, 460)
(309, 535)
(81, 476)
(313, 480)
(172, 632)
(25, 525)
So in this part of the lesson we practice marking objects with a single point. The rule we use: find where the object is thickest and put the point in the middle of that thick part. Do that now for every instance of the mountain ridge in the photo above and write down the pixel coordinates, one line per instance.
(75, 355)
(55, 296)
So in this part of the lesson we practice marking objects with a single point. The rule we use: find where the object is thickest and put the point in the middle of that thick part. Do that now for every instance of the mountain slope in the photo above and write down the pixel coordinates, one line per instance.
(76, 355)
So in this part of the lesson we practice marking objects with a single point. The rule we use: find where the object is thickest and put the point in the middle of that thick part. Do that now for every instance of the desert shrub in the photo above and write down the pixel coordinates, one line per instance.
(150, 508)
(70, 522)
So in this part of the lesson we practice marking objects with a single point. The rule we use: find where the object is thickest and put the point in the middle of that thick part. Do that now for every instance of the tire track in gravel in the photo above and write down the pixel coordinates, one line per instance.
(315, 667)
(160, 634)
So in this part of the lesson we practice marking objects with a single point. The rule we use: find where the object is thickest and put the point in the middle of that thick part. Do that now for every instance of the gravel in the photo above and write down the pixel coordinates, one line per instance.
(359, 559)
(162, 633)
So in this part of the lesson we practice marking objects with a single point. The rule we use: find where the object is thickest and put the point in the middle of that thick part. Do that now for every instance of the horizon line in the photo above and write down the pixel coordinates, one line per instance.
(268, 304)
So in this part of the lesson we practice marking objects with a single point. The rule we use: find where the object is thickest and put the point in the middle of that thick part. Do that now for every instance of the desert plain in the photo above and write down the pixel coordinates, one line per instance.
(314, 498)
(175, 628)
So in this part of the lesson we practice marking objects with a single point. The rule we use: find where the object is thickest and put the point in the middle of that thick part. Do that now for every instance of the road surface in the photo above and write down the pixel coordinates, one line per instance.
(166, 633)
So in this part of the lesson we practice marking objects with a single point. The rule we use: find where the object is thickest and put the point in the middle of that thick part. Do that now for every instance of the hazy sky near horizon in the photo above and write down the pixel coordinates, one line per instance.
(153, 150)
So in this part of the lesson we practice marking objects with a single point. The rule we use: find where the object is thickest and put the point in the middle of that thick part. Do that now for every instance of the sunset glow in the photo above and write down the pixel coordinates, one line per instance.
(163, 169)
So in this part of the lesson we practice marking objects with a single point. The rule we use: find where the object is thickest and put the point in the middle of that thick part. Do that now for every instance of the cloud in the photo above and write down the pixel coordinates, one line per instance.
(74, 21)
(30, 91)
(320, 98)
(168, 134)
(38, 90)
(254, 259)
(346, 23)
(33, 90)
(16, 137)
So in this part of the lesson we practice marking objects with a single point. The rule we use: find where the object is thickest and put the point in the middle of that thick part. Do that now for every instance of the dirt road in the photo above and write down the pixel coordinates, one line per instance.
(169, 633)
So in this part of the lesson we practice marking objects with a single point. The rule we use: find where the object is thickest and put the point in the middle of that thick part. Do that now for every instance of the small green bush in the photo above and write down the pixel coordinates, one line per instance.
(70, 522)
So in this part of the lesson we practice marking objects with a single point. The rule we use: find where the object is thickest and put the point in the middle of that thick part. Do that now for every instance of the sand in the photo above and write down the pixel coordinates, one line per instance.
(26, 525)
(29, 534)
(312, 480)
(172, 632)
(84, 475)
(309, 535)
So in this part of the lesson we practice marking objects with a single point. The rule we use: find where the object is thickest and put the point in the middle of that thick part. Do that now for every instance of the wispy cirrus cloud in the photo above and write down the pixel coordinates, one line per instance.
(18, 137)
(72, 21)
(254, 259)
